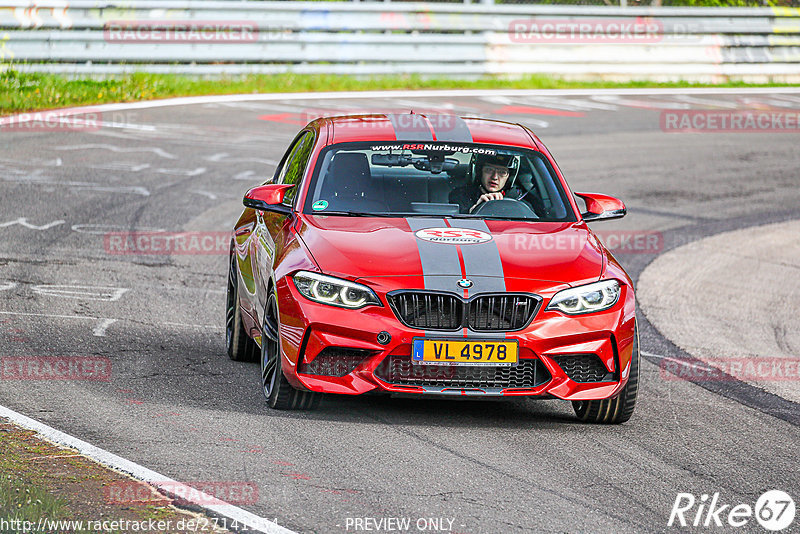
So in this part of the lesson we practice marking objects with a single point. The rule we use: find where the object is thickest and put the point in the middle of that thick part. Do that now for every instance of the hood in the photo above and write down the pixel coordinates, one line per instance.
(371, 247)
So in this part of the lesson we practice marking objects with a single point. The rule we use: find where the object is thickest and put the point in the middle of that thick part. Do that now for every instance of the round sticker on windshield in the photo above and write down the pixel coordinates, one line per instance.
(319, 205)
(453, 236)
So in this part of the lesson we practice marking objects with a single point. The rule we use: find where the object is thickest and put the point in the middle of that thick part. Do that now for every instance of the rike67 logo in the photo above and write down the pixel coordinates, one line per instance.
(774, 511)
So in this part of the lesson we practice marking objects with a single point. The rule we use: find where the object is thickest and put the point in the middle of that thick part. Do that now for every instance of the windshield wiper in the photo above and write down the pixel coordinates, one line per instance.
(492, 217)
(356, 213)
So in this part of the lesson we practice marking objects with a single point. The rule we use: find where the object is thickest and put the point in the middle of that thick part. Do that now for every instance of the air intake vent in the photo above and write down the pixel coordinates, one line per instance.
(584, 368)
(335, 361)
(399, 370)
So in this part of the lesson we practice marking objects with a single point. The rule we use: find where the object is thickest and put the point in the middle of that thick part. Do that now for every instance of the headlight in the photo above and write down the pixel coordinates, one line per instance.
(334, 291)
(586, 299)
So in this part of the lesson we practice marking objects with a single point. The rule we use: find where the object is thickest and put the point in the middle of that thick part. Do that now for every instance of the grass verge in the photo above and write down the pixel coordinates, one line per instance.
(34, 91)
(40, 481)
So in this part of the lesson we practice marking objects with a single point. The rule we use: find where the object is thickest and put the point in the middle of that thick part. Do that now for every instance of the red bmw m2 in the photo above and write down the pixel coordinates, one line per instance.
(430, 255)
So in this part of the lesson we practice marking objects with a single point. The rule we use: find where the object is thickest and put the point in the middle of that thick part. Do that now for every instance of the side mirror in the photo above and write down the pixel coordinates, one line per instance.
(602, 207)
(268, 198)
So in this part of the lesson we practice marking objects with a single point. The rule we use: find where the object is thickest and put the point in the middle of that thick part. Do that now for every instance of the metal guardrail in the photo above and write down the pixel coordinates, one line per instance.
(212, 37)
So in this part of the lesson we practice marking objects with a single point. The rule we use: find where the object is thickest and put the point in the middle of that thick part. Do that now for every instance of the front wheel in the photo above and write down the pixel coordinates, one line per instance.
(278, 391)
(620, 408)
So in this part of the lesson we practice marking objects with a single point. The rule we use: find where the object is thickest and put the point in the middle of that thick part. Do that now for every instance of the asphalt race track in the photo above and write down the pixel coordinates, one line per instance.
(175, 403)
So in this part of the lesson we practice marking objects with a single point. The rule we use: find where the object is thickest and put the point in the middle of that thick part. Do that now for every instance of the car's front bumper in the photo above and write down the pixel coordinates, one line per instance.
(555, 352)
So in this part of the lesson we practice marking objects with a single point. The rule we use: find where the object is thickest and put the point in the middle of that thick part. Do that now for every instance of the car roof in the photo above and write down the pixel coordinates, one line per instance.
(419, 127)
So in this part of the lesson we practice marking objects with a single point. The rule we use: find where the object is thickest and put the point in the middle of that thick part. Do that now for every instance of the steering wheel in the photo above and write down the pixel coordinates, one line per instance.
(507, 207)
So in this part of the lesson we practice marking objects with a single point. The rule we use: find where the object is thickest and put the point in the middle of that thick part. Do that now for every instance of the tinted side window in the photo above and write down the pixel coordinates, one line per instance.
(295, 165)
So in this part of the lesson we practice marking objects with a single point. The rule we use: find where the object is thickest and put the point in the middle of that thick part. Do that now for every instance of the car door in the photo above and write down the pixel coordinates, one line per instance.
(271, 228)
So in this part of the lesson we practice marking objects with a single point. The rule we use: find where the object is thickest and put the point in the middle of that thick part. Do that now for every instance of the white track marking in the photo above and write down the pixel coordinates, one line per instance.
(536, 122)
(93, 318)
(134, 189)
(104, 293)
(438, 93)
(246, 175)
(33, 178)
(568, 104)
(780, 103)
(104, 124)
(498, 99)
(51, 315)
(102, 229)
(112, 148)
(707, 102)
(223, 157)
(794, 99)
(166, 485)
(100, 329)
(208, 194)
(656, 105)
(420, 105)
(183, 172)
(5, 286)
(23, 221)
(200, 326)
(113, 166)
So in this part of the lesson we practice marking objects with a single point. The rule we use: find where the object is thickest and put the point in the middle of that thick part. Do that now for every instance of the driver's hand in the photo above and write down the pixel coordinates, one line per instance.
(486, 197)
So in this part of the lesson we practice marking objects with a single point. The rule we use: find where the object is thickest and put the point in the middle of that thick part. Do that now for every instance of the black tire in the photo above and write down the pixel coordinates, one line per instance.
(620, 408)
(238, 344)
(277, 390)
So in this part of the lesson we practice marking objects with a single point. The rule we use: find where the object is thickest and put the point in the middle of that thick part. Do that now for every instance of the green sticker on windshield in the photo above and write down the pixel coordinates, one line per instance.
(319, 205)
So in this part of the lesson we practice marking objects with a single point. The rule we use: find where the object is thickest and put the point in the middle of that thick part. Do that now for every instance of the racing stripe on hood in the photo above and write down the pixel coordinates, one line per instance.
(450, 128)
(482, 261)
(436, 258)
(410, 127)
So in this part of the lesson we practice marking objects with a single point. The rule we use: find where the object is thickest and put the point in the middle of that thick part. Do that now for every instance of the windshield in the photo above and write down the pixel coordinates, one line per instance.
(436, 179)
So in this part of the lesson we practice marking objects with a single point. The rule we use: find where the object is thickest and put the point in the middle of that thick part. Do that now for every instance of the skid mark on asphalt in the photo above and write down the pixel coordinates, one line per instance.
(296, 476)
(12, 334)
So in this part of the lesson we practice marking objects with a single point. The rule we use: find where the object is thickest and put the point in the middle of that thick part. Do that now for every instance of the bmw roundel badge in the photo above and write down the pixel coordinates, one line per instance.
(465, 283)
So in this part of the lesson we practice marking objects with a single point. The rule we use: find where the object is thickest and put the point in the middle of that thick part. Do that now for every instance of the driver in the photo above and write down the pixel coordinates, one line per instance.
(493, 178)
